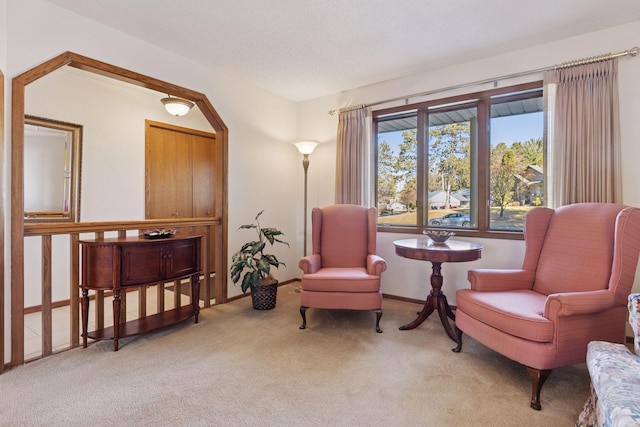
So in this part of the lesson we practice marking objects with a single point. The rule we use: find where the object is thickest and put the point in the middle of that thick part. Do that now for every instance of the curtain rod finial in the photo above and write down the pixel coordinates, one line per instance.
(635, 51)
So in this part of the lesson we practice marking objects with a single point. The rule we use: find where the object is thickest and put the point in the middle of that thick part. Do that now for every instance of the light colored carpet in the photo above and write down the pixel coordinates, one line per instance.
(241, 367)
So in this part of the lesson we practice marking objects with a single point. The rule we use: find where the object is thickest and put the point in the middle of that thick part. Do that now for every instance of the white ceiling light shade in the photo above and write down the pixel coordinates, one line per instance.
(305, 147)
(177, 106)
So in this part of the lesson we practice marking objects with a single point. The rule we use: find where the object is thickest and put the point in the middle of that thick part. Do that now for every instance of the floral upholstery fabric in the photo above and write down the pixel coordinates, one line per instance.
(615, 379)
(634, 320)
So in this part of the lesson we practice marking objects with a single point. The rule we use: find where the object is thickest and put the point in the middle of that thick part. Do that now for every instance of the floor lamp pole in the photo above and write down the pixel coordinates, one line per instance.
(305, 165)
(305, 148)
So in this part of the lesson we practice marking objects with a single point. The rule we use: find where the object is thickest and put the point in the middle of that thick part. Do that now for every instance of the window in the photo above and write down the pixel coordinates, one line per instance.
(473, 162)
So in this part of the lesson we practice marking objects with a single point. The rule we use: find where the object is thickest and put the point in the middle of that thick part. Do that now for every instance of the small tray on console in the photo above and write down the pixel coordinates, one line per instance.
(160, 233)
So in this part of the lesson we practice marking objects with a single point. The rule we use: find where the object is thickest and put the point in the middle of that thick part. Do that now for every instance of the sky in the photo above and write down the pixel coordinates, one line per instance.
(507, 129)
(521, 128)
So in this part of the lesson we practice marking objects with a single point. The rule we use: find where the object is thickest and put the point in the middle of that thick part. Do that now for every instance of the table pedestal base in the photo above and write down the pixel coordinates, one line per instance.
(436, 300)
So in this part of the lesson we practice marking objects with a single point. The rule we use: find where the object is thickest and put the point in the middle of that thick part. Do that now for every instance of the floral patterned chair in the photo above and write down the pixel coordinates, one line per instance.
(615, 379)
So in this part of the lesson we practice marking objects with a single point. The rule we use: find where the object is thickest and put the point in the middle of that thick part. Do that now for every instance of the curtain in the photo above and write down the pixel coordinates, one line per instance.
(584, 135)
(353, 154)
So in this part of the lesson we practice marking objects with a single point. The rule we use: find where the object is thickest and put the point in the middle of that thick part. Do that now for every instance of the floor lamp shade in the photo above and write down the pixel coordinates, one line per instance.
(305, 147)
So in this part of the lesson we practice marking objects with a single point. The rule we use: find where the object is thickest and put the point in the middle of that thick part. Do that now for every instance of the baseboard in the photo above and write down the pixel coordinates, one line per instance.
(58, 304)
(63, 303)
(398, 298)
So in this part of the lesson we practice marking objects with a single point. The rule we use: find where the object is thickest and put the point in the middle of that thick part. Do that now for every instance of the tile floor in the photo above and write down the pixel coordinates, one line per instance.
(61, 319)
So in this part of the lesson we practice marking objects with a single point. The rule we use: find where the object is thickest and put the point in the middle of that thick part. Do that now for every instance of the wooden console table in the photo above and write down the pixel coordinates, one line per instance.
(119, 263)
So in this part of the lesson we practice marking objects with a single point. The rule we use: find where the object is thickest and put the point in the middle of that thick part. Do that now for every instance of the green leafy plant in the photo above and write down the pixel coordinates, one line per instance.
(251, 259)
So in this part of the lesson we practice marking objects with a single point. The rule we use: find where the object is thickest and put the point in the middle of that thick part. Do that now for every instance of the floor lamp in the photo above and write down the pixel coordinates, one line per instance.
(305, 148)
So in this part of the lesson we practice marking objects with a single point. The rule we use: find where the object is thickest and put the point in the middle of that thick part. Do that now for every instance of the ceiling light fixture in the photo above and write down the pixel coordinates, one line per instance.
(177, 106)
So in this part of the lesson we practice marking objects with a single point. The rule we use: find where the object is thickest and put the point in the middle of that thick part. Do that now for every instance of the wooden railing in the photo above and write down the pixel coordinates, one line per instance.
(216, 294)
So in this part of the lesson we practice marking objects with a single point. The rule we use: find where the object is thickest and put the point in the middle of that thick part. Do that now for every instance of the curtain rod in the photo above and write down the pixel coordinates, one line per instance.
(631, 52)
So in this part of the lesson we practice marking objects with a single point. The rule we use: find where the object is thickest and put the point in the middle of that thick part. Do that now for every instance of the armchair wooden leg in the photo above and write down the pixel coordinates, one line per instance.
(378, 316)
(538, 377)
(303, 313)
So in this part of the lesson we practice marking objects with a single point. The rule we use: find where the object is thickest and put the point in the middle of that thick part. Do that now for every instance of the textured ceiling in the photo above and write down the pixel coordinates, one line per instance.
(303, 49)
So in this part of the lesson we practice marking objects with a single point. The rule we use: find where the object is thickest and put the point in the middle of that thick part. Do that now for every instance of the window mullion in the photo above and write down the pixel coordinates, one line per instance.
(482, 164)
(422, 168)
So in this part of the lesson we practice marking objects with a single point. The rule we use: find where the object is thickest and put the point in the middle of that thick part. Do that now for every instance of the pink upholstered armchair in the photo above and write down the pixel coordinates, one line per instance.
(579, 265)
(343, 272)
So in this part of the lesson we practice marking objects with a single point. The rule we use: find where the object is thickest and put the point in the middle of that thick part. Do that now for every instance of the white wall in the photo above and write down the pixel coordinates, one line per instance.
(4, 175)
(3, 41)
(409, 278)
(113, 133)
(263, 165)
(113, 136)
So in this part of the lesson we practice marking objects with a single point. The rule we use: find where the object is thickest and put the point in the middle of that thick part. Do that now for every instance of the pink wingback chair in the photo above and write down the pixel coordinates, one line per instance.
(579, 265)
(343, 271)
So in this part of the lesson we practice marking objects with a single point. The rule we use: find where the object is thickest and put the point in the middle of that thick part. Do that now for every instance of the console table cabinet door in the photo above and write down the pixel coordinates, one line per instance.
(143, 264)
(100, 266)
(180, 258)
(154, 263)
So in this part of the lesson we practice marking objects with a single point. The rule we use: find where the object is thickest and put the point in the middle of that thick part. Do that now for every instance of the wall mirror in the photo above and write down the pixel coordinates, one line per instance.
(52, 170)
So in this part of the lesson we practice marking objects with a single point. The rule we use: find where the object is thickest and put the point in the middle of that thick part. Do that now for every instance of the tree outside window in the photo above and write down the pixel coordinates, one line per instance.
(426, 173)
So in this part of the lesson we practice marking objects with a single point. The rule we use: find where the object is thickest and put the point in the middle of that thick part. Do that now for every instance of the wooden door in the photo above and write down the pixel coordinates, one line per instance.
(203, 149)
(204, 158)
(180, 175)
(169, 178)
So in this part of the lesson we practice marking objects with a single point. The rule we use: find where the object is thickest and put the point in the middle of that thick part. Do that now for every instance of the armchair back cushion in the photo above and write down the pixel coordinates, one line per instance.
(341, 235)
(576, 234)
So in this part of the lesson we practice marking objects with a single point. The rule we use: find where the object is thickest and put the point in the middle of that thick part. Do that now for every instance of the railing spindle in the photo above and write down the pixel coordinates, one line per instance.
(47, 334)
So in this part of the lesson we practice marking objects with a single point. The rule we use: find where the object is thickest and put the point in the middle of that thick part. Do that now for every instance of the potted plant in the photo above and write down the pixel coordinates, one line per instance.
(256, 266)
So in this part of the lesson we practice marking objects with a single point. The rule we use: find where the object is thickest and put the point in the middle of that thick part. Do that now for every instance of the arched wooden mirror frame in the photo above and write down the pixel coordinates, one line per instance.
(17, 169)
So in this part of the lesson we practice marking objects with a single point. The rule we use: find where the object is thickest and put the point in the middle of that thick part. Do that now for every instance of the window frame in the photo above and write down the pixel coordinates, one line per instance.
(480, 168)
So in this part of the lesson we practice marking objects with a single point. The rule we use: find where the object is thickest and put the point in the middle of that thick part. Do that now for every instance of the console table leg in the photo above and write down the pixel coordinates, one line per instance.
(195, 295)
(85, 316)
(116, 318)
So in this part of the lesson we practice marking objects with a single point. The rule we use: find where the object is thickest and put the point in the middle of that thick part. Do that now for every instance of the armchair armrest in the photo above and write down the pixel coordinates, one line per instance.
(310, 264)
(493, 280)
(570, 303)
(375, 265)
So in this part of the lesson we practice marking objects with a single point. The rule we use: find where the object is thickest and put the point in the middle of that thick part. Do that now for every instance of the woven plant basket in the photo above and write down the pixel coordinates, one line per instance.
(263, 297)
